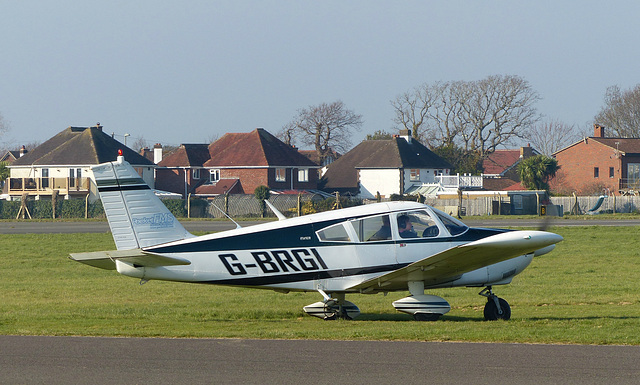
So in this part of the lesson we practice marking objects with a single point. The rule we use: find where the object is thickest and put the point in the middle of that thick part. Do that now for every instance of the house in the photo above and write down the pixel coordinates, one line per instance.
(599, 164)
(315, 158)
(500, 168)
(385, 167)
(62, 164)
(11, 156)
(183, 172)
(236, 163)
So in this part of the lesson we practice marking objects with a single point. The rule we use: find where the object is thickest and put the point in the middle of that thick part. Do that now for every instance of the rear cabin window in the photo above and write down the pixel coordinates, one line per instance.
(335, 233)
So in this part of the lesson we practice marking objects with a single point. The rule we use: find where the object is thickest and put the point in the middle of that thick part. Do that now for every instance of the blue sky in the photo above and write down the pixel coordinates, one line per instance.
(184, 72)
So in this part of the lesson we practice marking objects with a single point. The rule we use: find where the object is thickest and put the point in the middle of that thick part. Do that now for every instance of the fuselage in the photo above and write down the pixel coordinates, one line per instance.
(332, 251)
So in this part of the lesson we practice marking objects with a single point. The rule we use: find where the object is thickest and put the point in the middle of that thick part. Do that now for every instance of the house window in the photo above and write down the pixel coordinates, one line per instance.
(303, 175)
(633, 175)
(414, 175)
(281, 175)
(73, 174)
(214, 175)
(596, 172)
(196, 173)
(611, 172)
(45, 178)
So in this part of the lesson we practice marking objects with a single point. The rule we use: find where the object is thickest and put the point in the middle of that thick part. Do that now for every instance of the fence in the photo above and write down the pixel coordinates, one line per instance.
(248, 206)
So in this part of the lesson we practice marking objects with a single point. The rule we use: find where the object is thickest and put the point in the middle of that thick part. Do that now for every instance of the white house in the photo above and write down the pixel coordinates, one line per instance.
(385, 167)
(63, 163)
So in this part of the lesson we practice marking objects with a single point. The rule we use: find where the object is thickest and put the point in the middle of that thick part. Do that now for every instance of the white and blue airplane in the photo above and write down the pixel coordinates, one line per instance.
(382, 247)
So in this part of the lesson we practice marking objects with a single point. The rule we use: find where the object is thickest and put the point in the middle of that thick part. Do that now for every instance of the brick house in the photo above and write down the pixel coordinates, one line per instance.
(390, 166)
(62, 164)
(599, 164)
(236, 163)
(11, 156)
(500, 168)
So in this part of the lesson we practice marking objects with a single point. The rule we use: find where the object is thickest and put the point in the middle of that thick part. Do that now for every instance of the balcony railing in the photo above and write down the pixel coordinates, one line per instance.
(47, 185)
(629, 184)
(459, 181)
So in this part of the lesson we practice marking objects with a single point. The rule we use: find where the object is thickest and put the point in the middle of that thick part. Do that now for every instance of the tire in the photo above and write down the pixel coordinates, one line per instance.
(491, 310)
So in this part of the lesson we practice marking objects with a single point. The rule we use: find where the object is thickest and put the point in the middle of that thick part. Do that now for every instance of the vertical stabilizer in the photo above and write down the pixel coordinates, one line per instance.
(137, 217)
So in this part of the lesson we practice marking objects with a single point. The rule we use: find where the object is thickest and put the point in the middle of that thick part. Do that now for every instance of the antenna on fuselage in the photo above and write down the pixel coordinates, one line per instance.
(226, 215)
(275, 211)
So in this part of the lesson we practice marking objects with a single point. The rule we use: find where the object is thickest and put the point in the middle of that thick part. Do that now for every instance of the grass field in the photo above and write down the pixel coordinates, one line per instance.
(584, 292)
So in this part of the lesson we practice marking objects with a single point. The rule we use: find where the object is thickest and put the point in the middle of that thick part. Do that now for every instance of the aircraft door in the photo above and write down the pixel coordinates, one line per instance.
(418, 235)
(375, 241)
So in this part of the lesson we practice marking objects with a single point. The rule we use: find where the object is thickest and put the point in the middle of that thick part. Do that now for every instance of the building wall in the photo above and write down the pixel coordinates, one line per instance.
(577, 165)
(385, 181)
(172, 180)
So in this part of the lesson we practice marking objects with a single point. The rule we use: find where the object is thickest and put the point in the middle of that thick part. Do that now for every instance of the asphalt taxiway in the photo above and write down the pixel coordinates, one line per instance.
(92, 360)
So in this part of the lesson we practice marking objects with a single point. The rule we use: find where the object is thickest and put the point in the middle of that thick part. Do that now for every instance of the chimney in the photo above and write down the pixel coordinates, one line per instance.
(157, 153)
(23, 151)
(406, 134)
(598, 131)
(98, 126)
(526, 152)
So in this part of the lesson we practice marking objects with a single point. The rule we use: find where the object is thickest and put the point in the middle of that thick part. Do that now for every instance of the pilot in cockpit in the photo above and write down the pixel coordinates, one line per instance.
(405, 228)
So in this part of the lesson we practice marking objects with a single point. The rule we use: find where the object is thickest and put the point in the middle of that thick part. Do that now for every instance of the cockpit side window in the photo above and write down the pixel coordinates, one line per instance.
(372, 229)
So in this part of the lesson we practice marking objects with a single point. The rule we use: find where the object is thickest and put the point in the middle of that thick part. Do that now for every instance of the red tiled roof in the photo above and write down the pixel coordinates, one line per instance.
(256, 148)
(500, 160)
(219, 188)
(187, 155)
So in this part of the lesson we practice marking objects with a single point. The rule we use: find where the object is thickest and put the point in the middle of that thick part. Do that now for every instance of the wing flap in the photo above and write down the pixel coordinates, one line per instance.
(450, 264)
(106, 259)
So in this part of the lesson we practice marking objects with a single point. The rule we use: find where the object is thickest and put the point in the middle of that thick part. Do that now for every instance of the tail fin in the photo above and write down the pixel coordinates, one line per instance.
(137, 217)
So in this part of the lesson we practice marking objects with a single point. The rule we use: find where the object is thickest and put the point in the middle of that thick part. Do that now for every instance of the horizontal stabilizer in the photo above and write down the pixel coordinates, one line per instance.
(138, 257)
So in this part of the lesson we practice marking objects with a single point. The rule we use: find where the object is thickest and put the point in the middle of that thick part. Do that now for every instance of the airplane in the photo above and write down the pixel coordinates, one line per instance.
(375, 248)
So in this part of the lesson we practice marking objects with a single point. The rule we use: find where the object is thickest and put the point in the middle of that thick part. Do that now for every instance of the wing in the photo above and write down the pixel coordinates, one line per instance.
(106, 259)
(450, 264)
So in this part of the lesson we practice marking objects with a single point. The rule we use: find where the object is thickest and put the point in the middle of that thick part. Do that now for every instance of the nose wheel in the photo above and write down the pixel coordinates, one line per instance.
(496, 308)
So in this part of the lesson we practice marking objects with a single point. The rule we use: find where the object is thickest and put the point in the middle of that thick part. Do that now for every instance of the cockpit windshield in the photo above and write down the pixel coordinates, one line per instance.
(454, 226)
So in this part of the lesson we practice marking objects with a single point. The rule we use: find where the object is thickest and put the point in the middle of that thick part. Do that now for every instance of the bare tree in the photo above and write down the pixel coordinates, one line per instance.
(412, 110)
(478, 116)
(4, 126)
(139, 143)
(552, 135)
(325, 127)
(621, 112)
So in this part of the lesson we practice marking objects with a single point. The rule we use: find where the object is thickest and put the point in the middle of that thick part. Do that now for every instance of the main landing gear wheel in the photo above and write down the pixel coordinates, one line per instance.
(333, 311)
(496, 308)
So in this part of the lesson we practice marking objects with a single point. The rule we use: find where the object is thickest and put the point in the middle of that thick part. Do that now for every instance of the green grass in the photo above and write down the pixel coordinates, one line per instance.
(584, 292)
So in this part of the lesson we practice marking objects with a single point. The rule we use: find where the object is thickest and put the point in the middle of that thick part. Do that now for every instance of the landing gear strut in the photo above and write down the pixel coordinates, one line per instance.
(496, 308)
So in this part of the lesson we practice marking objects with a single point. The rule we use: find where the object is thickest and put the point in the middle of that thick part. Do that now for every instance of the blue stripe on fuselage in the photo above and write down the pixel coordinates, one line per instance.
(297, 237)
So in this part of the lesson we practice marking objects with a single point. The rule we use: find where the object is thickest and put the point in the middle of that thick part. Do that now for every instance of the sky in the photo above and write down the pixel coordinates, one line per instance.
(185, 71)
